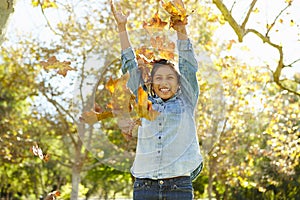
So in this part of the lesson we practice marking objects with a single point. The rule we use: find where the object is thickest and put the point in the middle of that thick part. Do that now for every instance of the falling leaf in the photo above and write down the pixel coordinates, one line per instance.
(229, 45)
(124, 105)
(154, 22)
(53, 63)
(46, 157)
(292, 22)
(255, 10)
(110, 85)
(52, 195)
(174, 9)
(95, 114)
(121, 96)
(146, 52)
(37, 151)
(144, 106)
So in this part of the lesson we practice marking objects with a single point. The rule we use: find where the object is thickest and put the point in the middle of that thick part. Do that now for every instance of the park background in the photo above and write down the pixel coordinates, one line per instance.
(248, 111)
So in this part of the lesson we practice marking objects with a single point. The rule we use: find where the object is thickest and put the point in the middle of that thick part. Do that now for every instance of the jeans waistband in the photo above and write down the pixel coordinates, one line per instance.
(164, 181)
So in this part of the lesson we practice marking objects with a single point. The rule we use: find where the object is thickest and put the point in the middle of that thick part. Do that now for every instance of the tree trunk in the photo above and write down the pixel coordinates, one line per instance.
(6, 8)
(75, 181)
(76, 170)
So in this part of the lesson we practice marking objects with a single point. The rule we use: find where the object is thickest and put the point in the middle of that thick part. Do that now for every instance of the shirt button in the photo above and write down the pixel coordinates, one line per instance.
(161, 182)
(159, 137)
(158, 151)
(159, 124)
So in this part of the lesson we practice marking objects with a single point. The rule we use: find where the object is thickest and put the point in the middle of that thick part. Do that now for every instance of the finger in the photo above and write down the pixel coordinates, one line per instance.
(127, 14)
(112, 6)
(118, 7)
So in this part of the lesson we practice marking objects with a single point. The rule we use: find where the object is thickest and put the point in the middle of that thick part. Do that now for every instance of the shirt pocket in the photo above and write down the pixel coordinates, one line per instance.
(174, 113)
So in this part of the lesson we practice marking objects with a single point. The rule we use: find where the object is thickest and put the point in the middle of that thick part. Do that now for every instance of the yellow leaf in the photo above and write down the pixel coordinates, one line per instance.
(144, 106)
(35, 3)
(53, 63)
(256, 10)
(292, 23)
(155, 22)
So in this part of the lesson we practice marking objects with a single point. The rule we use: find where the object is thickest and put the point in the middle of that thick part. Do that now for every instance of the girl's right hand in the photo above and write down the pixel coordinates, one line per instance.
(119, 16)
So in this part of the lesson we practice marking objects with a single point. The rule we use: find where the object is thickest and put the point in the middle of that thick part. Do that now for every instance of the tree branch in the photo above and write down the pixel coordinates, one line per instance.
(228, 17)
(241, 32)
(248, 14)
(270, 27)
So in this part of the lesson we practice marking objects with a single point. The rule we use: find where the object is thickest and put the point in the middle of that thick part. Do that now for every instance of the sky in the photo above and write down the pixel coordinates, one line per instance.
(27, 19)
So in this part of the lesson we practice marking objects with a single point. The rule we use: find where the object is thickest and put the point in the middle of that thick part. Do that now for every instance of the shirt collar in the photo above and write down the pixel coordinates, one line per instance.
(157, 99)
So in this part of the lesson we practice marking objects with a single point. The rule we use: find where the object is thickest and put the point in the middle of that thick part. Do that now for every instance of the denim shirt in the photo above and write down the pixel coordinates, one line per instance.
(168, 146)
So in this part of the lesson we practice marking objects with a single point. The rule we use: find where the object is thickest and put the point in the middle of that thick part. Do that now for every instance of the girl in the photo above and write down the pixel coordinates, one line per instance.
(167, 155)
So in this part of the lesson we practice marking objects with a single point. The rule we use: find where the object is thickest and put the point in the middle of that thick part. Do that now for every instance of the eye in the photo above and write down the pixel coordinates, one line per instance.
(157, 78)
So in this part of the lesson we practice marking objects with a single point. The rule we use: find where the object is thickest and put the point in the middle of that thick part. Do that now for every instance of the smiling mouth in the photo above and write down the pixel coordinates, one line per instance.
(164, 90)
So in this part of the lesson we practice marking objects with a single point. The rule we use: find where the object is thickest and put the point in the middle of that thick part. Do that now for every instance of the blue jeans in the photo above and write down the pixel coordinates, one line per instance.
(163, 189)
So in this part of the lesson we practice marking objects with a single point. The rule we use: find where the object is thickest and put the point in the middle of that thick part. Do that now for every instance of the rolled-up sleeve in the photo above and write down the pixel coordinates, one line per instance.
(129, 64)
(128, 60)
(188, 67)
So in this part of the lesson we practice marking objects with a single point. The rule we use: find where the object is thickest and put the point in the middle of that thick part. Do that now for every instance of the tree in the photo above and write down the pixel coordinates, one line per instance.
(265, 35)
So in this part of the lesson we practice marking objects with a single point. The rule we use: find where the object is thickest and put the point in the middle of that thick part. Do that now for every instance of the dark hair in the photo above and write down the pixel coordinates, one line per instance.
(156, 65)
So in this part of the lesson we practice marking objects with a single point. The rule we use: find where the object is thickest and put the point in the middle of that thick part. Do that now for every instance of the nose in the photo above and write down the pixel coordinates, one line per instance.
(164, 82)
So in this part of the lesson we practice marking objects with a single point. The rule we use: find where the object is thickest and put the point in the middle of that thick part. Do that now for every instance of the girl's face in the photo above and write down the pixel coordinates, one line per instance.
(165, 82)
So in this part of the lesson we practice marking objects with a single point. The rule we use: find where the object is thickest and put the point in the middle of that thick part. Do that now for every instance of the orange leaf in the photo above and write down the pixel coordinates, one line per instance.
(110, 85)
(46, 157)
(121, 96)
(52, 195)
(175, 9)
(155, 22)
(53, 63)
(144, 106)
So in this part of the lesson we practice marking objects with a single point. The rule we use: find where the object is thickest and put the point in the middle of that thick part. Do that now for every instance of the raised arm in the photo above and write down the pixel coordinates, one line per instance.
(188, 65)
(121, 20)
(129, 63)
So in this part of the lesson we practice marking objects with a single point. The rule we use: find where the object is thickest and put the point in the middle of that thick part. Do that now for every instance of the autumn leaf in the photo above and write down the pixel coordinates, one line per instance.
(154, 22)
(124, 106)
(121, 96)
(95, 114)
(144, 106)
(145, 67)
(37, 151)
(146, 52)
(91, 117)
(173, 8)
(165, 47)
(177, 12)
(110, 85)
(53, 63)
(52, 195)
